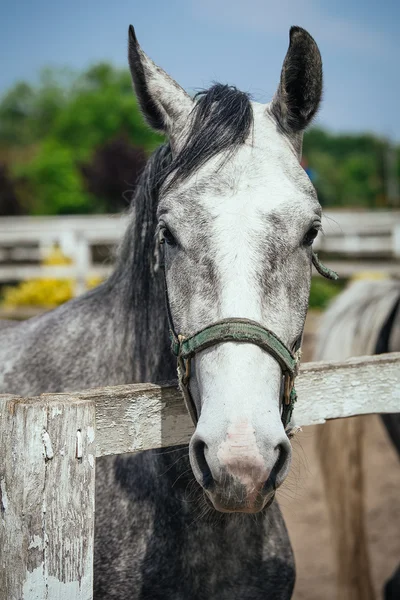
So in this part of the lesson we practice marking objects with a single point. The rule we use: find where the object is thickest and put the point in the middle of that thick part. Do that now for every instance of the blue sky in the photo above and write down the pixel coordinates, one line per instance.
(242, 42)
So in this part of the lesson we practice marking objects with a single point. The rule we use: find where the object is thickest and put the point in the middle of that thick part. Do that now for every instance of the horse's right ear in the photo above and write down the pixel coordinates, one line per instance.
(300, 89)
(165, 105)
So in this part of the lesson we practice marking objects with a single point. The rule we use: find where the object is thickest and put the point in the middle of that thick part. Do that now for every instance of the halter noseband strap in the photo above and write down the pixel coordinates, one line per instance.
(245, 331)
(236, 330)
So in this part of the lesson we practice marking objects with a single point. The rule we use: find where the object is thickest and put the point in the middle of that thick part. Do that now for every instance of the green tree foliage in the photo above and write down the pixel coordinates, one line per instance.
(52, 133)
(55, 182)
(16, 116)
(350, 170)
(101, 107)
(323, 291)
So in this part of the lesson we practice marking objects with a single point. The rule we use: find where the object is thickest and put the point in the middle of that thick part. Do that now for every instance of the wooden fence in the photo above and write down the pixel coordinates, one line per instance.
(48, 447)
(355, 241)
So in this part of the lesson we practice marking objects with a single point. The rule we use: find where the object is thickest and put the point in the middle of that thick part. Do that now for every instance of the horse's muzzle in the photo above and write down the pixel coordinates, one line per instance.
(238, 477)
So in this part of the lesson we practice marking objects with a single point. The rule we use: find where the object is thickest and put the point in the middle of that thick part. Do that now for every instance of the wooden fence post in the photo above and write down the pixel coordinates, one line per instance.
(47, 482)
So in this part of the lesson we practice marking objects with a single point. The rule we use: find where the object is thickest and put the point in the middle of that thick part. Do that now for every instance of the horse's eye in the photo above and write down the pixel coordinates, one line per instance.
(310, 236)
(166, 237)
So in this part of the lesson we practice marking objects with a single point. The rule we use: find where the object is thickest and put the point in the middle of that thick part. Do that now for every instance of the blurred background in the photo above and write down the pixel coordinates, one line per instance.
(73, 143)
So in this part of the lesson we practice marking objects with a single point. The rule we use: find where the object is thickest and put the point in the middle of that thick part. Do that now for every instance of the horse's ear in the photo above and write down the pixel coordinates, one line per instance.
(300, 89)
(165, 105)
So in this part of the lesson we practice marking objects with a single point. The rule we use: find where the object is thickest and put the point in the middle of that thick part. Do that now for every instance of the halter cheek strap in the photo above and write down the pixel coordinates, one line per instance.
(243, 331)
(322, 269)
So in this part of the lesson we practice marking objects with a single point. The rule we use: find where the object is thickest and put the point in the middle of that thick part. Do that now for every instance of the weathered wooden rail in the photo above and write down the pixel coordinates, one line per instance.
(368, 241)
(49, 444)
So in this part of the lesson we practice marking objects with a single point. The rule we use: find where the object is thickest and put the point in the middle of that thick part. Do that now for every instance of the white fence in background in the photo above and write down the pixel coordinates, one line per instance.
(25, 241)
(361, 241)
(355, 241)
(48, 447)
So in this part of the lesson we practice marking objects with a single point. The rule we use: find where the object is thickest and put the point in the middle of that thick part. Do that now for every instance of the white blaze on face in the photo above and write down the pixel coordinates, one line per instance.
(262, 180)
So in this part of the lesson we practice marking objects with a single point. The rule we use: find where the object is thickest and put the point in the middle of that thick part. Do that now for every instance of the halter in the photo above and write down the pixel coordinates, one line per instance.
(242, 331)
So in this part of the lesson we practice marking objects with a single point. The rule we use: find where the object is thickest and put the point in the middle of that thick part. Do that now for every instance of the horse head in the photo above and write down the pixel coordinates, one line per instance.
(237, 216)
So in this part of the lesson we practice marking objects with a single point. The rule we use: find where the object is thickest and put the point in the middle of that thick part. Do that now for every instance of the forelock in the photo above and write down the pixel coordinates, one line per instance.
(221, 122)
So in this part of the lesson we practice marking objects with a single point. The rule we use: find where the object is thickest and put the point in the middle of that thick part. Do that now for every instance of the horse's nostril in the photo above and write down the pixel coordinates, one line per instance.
(199, 453)
(280, 468)
(282, 456)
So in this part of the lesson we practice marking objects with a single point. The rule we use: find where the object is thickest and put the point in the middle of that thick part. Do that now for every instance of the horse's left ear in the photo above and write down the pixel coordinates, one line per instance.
(300, 89)
(164, 104)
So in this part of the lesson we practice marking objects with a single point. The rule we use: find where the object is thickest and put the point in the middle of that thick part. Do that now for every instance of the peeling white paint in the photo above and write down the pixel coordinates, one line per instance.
(39, 587)
(91, 460)
(4, 499)
(35, 584)
(79, 447)
(48, 448)
(144, 415)
(36, 542)
(55, 411)
(90, 434)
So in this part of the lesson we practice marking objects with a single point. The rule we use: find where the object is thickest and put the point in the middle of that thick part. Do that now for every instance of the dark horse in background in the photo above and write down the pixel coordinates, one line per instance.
(236, 217)
(364, 319)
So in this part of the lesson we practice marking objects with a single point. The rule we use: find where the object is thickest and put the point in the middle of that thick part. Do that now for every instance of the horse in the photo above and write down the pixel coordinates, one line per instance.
(362, 320)
(218, 250)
